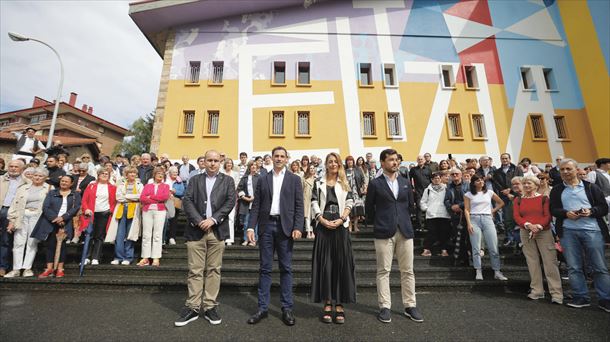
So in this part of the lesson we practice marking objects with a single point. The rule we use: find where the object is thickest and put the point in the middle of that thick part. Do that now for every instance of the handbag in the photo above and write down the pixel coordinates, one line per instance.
(177, 203)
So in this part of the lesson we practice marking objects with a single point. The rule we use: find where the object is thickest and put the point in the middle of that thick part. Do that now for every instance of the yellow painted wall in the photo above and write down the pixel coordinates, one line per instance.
(591, 70)
(579, 132)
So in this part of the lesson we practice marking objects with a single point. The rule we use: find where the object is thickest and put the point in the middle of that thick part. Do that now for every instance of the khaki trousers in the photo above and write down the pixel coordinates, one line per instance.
(204, 261)
(385, 250)
(542, 245)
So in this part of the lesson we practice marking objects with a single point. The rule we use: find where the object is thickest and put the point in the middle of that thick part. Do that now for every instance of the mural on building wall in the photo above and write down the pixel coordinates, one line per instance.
(502, 41)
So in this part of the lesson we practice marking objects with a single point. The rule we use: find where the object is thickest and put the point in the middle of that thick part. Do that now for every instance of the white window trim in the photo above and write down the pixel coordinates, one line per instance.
(531, 80)
(452, 80)
(554, 90)
(394, 74)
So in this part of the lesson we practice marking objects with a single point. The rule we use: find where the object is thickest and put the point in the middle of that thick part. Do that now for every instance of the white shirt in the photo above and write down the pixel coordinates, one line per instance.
(269, 167)
(28, 145)
(210, 180)
(64, 206)
(278, 180)
(393, 184)
(250, 190)
(101, 198)
(13, 183)
(481, 202)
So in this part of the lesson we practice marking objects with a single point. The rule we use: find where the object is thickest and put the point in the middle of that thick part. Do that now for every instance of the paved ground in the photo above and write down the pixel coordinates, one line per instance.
(137, 316)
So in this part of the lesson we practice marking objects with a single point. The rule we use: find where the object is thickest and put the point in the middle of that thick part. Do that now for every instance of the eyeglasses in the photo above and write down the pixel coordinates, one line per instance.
(455, 174)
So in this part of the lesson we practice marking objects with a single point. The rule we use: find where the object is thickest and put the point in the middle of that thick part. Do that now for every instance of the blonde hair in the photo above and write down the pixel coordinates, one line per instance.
(532, 179)
(341, 172)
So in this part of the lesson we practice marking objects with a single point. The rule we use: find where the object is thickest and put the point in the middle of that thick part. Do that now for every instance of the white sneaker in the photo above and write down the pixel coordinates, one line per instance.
(172, 241)
(94, 262)
(125, 262)
(114, 262)
(75, 240)
(229, 243)
(479, 275)
(244, 243)
(498, 275)
(28, 273)
(13, 274)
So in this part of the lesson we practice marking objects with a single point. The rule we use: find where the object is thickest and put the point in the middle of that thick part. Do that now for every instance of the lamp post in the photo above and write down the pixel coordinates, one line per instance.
(20, 38)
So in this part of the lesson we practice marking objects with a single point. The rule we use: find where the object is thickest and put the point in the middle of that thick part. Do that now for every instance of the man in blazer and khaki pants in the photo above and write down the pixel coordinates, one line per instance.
(389, 200)
(209, 198)
(278, 211)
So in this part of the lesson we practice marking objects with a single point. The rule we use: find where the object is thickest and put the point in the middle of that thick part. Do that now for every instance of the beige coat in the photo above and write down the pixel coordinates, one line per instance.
(17, 209)
(342, 195)
(123, 197)
(307, 189)
(4, 183)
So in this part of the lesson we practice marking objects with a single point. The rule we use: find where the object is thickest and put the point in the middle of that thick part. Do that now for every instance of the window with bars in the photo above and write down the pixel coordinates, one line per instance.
(212, 124)
(4, 123)
(389, 75)
(562, 128)
(193, 72)
(393, 124)
(303, 76)
(447, 77)
(277, 123)
(188, 122)
(303, 123)
(470, 73)
(527, 79)
(537, 125)
(37, 118)
(368, 124)
(279, 72)
(366, 75)
(478, 127)
(454, 126)
(217, 72)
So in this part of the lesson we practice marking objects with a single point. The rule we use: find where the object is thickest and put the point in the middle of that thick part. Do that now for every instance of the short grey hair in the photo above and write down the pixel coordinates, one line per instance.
(172, 169)
(518, 179)
(455, 170)
(568, 160)
(29, 170)
(83, 166)
(532, 179)
(40, 171)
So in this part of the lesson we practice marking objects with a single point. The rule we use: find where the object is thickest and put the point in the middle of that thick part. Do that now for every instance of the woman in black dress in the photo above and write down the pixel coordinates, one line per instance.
(333, 272)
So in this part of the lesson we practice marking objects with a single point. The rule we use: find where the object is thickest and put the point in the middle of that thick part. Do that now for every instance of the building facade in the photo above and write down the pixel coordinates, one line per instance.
(73, 127)
(447, 77)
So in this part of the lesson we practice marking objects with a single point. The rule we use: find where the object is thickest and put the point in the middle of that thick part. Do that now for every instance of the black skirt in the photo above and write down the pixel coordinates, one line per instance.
(333, 274)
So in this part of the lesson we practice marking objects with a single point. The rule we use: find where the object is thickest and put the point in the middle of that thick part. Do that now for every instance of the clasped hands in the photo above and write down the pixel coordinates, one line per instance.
(576, 214)
(206, 224)
(334, 224)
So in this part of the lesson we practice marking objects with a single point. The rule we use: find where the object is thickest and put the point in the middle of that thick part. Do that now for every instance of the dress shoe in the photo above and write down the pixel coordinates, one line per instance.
(2, 272)
(288, 317)
(257, 317)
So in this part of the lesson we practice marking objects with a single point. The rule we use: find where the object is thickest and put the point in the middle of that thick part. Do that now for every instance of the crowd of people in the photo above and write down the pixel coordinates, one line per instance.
(269, 201)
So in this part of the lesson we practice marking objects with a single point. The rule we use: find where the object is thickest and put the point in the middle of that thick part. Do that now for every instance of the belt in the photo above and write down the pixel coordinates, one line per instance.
(480, 214)
(274, 218)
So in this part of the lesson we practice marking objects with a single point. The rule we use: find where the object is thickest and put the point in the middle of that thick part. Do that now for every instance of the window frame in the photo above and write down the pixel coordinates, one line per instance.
(206, 124)
(460, 128)
(274, 82)
(297, 134)
(467, 69)
(374, 125)
(399, 126)
(565, 127)
(187, 80)
(211, 76)
(537, 116)
(298, 72)
(271, 115)
(450, 73)
(529, 78)
(549, 72)
(483, 126)
(370, 75)
(391, 66)
(182, 123)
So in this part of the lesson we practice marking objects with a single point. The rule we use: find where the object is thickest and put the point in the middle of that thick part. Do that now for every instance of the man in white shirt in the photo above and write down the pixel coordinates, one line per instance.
(27, 145)
(185, 169)
(9, 183)
(243, 163)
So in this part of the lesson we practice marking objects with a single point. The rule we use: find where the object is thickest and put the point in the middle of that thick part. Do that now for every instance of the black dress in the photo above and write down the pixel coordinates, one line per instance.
(333, 272)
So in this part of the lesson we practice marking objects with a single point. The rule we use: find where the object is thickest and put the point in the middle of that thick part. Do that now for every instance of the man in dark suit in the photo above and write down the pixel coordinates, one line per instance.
(209, 198)
(389, 202)
(278, 211)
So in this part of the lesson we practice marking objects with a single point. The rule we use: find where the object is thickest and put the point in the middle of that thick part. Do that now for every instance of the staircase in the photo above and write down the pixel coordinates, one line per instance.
(241, 264)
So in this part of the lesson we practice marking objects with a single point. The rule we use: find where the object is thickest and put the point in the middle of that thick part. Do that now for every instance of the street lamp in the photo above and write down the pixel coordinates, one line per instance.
(21, 38)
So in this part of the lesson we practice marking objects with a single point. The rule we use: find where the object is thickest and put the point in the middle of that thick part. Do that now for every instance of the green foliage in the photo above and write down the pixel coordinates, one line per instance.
(138, 140)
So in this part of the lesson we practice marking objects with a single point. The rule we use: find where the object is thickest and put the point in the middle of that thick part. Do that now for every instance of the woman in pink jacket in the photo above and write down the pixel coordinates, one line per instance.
(153, 199)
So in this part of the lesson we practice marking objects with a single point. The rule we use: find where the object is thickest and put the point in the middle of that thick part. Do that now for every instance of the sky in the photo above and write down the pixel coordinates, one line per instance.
(107, 60)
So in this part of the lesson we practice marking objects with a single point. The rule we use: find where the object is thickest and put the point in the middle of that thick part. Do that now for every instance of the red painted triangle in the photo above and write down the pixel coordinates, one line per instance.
(474, 10)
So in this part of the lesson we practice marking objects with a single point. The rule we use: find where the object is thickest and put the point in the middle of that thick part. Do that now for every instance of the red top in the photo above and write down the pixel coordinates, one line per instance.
(88, 202)
(148, 196)
(531, 210)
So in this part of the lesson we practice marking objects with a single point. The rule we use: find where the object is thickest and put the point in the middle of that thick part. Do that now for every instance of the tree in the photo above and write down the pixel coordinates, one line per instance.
(138, 141)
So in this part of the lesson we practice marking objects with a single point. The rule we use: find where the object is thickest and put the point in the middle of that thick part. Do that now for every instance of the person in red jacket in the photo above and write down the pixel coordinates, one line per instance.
(153, 199)
(97, 206)
(532, 214)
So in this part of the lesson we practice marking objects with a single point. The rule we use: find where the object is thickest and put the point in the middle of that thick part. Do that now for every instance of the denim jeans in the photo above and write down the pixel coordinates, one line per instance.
(123, 248)
(244, 221)
(484, 227)
(574, 243)
(6, 241)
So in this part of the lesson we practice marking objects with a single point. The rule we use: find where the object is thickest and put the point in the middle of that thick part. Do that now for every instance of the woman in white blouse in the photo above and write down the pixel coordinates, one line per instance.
(478, 213)
(228, 169)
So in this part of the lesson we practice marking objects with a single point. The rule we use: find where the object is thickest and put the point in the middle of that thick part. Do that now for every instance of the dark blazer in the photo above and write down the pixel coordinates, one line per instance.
(50, 209)
(194, 205)
(599, 207)
(83, 185)
(242, 190)
(291, 203)
(501, 180)
(389, 213)
(421, 177)
(455, 195)
(555, 176)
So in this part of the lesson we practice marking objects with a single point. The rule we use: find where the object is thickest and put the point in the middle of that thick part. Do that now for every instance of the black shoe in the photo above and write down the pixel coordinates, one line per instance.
(186, 316)
(414, 314)
(288, 317)
(579, 303)
(604, 305)
(384, 315)
(212, 316)
(257, 317)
